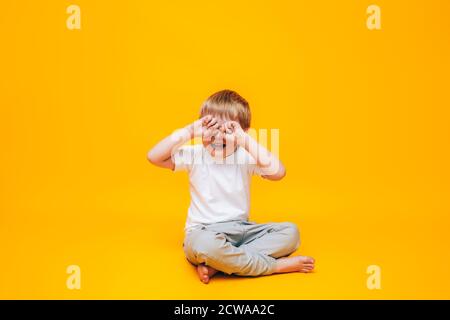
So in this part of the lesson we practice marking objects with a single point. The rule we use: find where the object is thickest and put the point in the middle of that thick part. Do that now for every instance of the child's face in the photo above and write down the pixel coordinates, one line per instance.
(216, 141)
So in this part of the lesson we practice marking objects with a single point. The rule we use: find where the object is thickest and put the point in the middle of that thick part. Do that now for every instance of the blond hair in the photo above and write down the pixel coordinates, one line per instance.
(228, 104)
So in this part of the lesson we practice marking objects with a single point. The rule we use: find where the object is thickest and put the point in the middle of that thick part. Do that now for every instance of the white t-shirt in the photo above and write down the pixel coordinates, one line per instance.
(219, 188)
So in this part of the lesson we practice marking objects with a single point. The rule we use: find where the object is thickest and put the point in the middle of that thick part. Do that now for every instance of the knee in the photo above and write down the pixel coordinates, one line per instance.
(206, 243)
(292, 235)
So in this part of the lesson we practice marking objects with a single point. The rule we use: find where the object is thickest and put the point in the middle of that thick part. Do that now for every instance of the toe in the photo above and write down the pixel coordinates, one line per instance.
(307, 268)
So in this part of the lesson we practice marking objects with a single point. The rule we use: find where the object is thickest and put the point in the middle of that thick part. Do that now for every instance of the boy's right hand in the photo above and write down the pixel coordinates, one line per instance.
(204, 126)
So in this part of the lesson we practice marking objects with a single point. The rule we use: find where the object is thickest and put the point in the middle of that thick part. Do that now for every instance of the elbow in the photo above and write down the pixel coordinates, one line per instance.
(151, 157)
(281, 174)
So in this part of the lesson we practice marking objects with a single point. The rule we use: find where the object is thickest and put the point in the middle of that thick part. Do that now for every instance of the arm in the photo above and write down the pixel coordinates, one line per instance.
(161, 154)
(264, 158)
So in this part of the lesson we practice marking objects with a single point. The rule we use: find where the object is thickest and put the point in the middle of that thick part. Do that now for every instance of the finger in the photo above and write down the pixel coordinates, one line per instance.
(228, 127)
(215, 126)
(206, 120)
(212, 122)
(223, 127)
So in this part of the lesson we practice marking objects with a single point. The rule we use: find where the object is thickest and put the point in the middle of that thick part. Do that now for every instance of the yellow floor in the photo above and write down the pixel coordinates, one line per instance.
(138, 254)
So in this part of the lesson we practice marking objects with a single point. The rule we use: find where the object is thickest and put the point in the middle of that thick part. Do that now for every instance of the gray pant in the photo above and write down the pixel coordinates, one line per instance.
(241, 247)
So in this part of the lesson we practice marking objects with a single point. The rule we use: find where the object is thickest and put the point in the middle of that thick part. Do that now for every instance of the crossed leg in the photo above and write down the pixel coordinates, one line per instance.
(262, 251)
(278, 240)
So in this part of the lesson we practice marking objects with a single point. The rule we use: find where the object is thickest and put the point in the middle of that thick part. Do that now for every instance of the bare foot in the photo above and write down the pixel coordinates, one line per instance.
(205, 272)
(295, 264)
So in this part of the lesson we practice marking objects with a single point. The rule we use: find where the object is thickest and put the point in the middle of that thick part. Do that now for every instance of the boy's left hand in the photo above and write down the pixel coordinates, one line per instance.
(233, 132)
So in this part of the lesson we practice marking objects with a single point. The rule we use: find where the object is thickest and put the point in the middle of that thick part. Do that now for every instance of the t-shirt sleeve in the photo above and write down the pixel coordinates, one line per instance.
(183, 158)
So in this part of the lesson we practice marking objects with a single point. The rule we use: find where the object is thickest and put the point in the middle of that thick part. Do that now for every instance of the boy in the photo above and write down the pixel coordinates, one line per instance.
(218, 234)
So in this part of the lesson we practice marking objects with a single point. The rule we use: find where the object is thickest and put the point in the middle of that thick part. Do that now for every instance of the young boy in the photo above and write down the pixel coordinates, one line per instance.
(218, 234)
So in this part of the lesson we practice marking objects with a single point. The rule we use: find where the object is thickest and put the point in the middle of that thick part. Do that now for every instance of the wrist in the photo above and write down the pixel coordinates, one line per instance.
(189, 129)
(241, 139)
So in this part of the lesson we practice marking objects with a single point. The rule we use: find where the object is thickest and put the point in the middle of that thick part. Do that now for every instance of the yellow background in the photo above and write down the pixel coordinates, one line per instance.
(364, 129)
